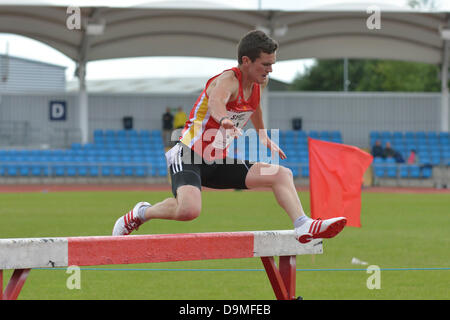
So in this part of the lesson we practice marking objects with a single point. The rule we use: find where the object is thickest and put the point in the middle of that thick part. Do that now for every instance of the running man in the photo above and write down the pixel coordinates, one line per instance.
(199, 159)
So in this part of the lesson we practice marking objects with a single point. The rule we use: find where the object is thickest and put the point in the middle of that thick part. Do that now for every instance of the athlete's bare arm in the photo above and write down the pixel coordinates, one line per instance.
(223, 89)
(258, 124)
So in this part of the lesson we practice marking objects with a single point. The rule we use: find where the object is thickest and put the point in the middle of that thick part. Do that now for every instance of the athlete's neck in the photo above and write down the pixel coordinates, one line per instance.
(247, 83)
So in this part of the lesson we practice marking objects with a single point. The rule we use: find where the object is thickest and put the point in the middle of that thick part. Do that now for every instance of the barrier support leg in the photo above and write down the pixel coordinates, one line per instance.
(282, 279)
(15, 284)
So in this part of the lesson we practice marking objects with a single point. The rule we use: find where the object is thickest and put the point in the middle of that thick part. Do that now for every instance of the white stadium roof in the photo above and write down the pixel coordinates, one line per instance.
(320, 29)
(181, 28)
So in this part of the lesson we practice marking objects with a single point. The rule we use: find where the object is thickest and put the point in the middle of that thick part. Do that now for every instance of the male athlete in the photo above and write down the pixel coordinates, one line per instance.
(228, 101)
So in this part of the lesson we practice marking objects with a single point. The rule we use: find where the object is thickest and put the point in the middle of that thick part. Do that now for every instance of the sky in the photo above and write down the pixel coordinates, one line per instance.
(169, 66)
(151, 67)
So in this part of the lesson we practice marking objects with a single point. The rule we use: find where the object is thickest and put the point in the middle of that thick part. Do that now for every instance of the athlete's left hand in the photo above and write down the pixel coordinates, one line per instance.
(275, 149)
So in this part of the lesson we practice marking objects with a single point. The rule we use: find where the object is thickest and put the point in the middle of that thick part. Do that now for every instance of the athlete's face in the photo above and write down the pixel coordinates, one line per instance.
(259, 69)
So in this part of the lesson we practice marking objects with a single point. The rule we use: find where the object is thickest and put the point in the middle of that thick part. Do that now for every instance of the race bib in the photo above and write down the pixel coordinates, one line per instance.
(224, 137)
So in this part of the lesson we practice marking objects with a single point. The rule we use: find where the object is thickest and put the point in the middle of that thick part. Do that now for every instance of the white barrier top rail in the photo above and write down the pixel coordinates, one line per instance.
(25, 253)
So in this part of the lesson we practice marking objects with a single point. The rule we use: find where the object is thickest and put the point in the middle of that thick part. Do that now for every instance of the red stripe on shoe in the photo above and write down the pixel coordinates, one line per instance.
(319, 225)
(312, 226)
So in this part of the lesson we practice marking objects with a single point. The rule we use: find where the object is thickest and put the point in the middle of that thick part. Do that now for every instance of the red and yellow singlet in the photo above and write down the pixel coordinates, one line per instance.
(201, 132)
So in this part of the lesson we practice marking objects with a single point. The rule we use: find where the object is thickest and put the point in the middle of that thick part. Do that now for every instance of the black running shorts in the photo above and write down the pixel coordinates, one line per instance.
(188, 168)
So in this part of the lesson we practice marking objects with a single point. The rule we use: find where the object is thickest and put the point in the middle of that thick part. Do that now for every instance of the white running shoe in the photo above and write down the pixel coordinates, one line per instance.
(313, 229)
(129, 222)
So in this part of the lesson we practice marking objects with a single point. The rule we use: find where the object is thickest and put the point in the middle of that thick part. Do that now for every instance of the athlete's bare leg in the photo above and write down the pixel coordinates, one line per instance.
(280, 180)
(186, 206)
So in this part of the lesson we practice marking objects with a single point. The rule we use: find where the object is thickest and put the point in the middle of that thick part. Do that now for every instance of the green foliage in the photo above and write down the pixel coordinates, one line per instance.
(369, 75)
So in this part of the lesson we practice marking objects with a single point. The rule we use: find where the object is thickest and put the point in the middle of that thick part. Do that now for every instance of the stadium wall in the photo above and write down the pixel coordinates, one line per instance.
(25, 120)
(356, 114)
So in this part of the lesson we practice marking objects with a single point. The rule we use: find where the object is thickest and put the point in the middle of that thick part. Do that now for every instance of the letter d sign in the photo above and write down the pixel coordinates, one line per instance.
(57, 110)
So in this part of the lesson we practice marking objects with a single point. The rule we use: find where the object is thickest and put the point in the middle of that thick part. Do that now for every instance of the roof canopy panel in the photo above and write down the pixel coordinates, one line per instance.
(142, 32)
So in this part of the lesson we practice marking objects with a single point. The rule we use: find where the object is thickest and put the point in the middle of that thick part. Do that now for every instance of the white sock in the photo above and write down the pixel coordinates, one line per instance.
(141, 213)
(300, 221)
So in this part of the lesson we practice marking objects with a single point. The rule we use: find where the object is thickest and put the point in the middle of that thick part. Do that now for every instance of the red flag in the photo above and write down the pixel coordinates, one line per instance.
(335, 179)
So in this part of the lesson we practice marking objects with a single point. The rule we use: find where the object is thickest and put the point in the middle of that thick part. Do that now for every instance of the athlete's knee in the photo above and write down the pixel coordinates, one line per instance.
(189, 203)
(287, 172)
(284, 174)
(188, 212)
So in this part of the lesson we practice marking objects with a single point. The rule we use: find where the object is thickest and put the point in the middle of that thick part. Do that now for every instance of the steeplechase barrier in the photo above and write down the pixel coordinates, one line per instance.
(24, 254)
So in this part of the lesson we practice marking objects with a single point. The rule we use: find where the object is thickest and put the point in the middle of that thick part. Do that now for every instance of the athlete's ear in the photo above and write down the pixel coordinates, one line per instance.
(246, 60)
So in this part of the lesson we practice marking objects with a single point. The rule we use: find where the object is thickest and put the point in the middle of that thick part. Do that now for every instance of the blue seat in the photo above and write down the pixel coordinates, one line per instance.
(424, 158)
(389, 160)
(162, 171)
(58, 170)
(414, 171)
(409, 135)
(378, 167)
(435, 159)
(106, 170)
(391, 170)
(420, 135)
(397, 135)
(71, 170)
(404, 171)
(426, 172)
(24, 169)
(93, 170)
(325, 135)
(12, 170)
(128, 170)
(82, 170)
(432, 134)
(305, 171)
(314, 134)
(117, 170)
(386, 135)
(98, 133)
(374, 135)
(140, 171)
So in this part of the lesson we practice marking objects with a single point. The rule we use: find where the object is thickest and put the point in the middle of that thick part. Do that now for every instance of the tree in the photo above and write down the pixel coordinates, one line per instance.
(369, 75)
(423, 4)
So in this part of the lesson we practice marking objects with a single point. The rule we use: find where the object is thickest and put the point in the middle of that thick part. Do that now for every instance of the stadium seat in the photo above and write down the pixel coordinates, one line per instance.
(12, 170)
(391, 170)
(58, 170)
(140, 171)
(426, 172)
(82, 170)
(305, 171)
(24, 169)
(93, 170)
(314, 134)
(117, 170)
(106, 170)
(403, 171)
(414, 171)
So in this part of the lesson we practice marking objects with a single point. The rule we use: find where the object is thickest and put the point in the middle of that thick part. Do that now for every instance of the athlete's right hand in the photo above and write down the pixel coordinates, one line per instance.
(230, 128)
(227, 124)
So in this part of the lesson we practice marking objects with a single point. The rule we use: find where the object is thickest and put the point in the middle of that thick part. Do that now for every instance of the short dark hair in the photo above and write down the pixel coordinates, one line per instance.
(255, 42)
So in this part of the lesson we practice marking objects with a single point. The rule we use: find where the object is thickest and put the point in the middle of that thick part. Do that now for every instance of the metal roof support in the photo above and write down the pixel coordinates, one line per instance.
(444, 90)
(444, 84)
(83, 105)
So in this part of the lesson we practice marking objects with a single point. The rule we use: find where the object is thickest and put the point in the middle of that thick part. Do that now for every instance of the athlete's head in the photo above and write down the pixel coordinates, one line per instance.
(256, 54)
(253, 43)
